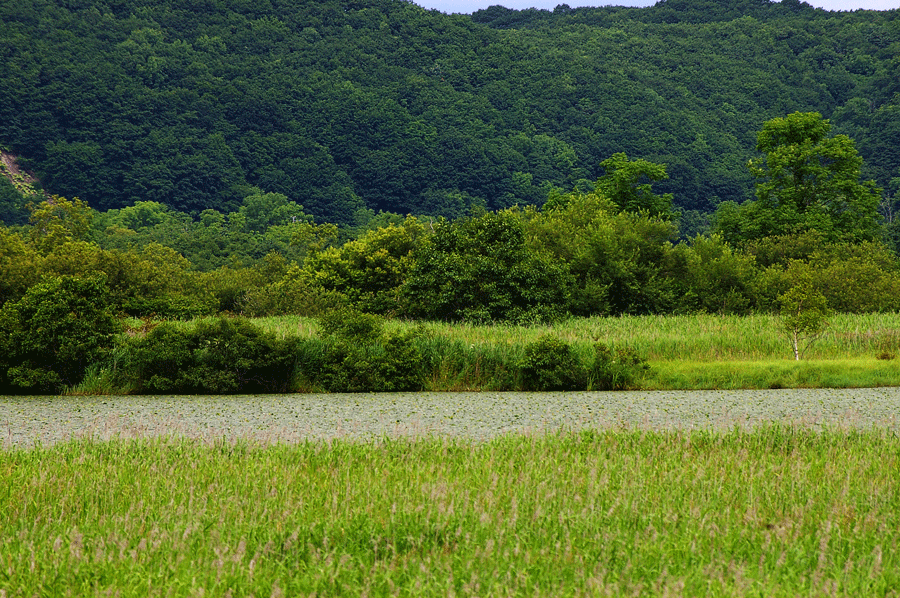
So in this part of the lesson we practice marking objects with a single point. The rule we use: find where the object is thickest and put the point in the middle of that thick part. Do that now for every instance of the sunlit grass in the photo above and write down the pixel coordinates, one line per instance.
(774, 512)
(726, 375)
(685, 352)
(701, 337)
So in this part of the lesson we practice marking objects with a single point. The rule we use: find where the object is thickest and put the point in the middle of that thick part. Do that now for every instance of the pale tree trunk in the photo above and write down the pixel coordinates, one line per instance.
(795, 344)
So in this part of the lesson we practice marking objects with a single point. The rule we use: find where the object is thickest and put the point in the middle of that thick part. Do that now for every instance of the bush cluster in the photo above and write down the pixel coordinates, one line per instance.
(552, 364)
(579, 255)
(50, 336)
(359, 356)
(65, 324)
(225, 355)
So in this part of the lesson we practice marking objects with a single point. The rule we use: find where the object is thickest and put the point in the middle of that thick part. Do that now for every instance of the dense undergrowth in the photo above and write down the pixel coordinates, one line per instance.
(64, 337)
(352, 352)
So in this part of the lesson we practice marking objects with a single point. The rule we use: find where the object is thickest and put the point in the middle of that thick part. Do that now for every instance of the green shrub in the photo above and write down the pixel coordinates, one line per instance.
(351, 325)
(550, 364)
(360, 357)
(391, 364)
(174, 306)
(222, 356)
(52, 334)
(289, 296)
(482, 269)
(616, 369)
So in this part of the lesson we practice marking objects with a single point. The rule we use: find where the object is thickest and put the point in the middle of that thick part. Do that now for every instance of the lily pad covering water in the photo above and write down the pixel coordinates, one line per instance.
(478, 416)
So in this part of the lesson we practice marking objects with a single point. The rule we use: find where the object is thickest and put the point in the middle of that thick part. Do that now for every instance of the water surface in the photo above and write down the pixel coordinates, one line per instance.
(25, 421)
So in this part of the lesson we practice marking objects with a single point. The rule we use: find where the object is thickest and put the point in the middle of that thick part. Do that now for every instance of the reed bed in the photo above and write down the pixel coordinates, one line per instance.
(698, 337)
(685, 352)
(772, 512)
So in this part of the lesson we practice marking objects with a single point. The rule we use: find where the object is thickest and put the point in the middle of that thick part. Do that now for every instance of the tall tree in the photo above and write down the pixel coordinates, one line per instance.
(628, 184)
(808, 180)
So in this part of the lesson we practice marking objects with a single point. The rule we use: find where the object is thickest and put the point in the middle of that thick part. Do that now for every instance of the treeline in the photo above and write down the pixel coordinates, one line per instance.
(583, 257)
(353, 108)
(607, 249)
(63, 335)
(65, 298)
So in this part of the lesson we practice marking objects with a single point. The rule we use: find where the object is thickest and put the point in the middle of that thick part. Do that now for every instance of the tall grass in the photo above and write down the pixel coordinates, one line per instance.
(773, 512)
(685, 352)
(698, 337)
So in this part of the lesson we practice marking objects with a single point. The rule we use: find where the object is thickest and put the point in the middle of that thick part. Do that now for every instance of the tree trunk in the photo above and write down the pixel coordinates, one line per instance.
(795, 344)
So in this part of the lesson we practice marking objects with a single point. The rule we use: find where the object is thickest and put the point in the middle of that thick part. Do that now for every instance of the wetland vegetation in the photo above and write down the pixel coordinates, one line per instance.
(688, 352)
(776, 512)
(812, 245)
(469, 221)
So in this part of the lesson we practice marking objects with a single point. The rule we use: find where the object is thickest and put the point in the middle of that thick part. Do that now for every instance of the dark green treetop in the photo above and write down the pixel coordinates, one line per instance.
(808, 180)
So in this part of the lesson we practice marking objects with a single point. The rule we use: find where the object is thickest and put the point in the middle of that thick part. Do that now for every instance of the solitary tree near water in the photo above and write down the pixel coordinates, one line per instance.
(804, 315)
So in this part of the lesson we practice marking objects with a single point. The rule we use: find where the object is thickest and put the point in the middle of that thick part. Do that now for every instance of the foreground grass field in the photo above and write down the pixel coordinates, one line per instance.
(773, 512)
(693, 351)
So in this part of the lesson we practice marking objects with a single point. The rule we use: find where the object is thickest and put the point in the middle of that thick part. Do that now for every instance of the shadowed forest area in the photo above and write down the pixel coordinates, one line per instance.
(353, 108)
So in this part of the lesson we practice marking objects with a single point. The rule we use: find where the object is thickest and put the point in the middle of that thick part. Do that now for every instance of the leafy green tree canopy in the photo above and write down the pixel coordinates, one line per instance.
(54, 332)
(58, 220)
(628, 184)
(262, 210)
(482, 269)
(804, 312)
(807, 181)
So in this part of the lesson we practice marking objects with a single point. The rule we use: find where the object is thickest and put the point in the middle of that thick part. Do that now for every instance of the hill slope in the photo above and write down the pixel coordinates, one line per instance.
(345, 105)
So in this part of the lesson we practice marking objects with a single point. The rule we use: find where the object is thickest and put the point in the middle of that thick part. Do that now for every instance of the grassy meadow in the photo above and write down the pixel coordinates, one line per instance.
(685, 352)
(772, 512)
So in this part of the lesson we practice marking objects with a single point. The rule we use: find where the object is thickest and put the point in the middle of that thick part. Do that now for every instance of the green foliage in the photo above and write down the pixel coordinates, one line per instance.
(13, 202)
(213, 239)
(263, 210)
(853, 277)
(627, 184)
(804, 312)
(615, 260)
(229, 288)
(711, 277)
(780, 250)
(808, 181)
(369, 270)
(392, 364)
(481, 269)
(221, 356)
(551, 364)
(58, 220)
(54, 332)
(155, 280)
(360, 357)
(385, 106)
(294, 293)
(351, 325)
(615, 369)
(20, 265)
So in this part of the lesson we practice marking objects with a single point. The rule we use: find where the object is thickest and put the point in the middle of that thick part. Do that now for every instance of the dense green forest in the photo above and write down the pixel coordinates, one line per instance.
(608, 250)
(168, 161)
(351, 108)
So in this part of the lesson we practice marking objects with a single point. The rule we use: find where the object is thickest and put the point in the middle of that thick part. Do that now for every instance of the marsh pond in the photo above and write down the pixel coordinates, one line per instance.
(27, 420)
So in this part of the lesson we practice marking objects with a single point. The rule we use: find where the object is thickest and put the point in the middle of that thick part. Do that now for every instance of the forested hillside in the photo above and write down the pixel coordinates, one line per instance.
(350, 107)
